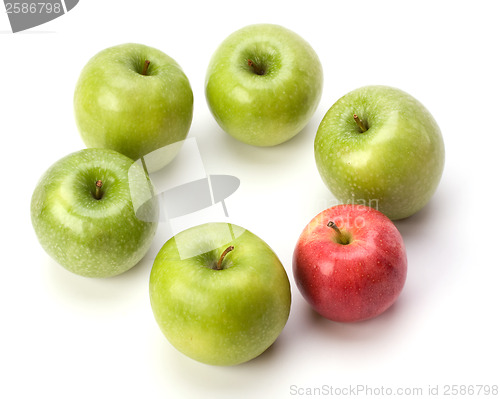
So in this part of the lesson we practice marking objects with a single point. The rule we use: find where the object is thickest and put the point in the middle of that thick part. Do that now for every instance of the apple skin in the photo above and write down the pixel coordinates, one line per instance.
(395, 166)
(88, 236)
(355, 281)
(268, 109)
(219, 317)
(117, 107)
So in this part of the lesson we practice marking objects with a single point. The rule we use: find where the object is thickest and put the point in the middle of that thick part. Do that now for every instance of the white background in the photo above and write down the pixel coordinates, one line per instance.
(64, 336)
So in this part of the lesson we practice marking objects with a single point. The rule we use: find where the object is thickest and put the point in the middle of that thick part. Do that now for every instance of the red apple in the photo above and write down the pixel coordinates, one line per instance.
(350, 263)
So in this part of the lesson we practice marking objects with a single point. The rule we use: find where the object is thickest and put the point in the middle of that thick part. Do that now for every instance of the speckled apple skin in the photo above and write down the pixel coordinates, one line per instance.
(220, 317)
(395, 166)
(263, 110)
(353, 282)
(118, 108)
(90, 237)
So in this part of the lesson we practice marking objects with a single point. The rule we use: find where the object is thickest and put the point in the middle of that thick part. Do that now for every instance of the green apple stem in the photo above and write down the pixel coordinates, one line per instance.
(256, 69)
(226, 251)
(145, 68)
(360, 123)
(98, 191)
(341, 237)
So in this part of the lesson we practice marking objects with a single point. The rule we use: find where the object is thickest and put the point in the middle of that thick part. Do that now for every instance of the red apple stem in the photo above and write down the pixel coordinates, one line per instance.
(226, 251)
(256, 69)
(360, 123)
(98, 191)
(145, 68)
(333, 226)
(342, 239)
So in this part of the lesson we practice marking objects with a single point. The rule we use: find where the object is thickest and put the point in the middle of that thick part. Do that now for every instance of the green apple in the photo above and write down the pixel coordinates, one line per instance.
(219, 293)
(379, 146)
(95, 213)
(263, 84)
(136, 100)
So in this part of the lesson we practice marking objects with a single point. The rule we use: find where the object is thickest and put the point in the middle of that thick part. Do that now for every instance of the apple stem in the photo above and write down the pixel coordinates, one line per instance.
(342, 239)
(226, 251)
(256, 69)
(98, 191)
(360, 123)
(145, 68)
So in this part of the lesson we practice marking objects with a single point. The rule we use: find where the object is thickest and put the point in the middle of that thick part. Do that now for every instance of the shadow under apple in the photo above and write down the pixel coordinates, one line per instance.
(284, 155)
(220, 379)
(434, 242)
(99, 294)
(372, 330)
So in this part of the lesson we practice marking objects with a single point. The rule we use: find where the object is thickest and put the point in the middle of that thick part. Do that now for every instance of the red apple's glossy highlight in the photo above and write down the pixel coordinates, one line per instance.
(355, 277)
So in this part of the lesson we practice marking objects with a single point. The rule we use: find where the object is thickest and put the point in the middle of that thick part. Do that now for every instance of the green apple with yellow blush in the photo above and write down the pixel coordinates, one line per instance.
(219, 293)
(263, 84)
(379, 146)
(95, 212)
(136, 100)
